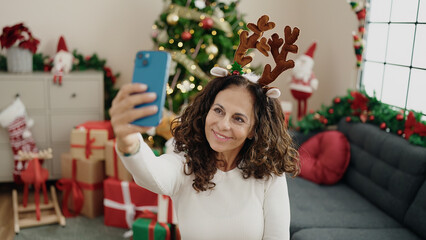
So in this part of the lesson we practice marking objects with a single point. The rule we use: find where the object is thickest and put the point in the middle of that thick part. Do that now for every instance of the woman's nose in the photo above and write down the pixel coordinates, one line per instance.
(224, 124)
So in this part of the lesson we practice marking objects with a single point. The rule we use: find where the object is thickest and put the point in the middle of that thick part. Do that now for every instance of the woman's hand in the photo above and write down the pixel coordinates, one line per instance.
(122, 113)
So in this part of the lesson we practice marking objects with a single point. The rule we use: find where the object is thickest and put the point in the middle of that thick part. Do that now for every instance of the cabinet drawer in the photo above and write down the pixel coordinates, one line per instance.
(76, 94)
(31, 92)
(63, 124)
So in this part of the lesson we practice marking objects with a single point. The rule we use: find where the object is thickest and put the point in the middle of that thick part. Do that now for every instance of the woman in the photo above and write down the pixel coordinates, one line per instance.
(226, 177)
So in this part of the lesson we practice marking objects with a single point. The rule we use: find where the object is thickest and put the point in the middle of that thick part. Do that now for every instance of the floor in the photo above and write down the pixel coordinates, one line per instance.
(76, 228)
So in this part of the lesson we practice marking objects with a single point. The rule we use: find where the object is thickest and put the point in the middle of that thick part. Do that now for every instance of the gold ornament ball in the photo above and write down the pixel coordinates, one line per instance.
(172, 19)
(212, 49)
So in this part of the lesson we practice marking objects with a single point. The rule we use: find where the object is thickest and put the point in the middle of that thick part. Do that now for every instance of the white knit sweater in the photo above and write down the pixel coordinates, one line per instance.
(236, 208)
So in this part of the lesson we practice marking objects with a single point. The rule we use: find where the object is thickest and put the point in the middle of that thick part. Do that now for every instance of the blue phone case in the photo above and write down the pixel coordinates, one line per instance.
(152, 69)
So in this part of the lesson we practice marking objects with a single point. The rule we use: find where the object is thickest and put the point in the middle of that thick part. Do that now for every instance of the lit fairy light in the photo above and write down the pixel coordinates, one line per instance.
(183, 51)
(192, 50)
(222, 19)
(192, 86)
(180, 44)
(191, 78)
(240, 31)
(169, 90)
(191, 31)
(214, 33)
(228, 66)
(202, 16)
(161, 48)
(211, 56)
(248, 71)
(241, 24)
(171, 41)
(154, 26)
(203, 46)
(199, 88)
(193, 67)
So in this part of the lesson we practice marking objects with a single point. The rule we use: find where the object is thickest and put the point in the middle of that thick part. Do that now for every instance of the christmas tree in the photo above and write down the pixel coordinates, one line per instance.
(199, 34)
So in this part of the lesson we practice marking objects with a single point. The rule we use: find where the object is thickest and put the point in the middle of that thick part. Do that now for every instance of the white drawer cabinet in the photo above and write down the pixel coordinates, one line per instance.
(55, 110)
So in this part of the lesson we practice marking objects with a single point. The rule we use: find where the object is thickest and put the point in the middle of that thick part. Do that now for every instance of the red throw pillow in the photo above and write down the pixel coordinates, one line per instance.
(324, 157)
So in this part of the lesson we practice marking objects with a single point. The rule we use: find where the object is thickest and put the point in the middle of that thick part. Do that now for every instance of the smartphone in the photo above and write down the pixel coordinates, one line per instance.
(152, 69)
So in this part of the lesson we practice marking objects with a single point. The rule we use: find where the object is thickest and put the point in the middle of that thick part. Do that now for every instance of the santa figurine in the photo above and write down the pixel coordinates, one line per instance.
(303, 80)
(62, 62)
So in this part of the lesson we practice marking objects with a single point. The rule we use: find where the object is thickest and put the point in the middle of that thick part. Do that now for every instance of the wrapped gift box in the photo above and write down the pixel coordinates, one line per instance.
(88, 140)
(144, 229)
(113, 165)
(124, 201)
(83, 178)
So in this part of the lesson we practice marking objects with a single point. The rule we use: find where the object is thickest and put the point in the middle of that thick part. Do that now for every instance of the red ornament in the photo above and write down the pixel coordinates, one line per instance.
(325, 121)
(399, 117)
(383, 125)
(236, 72)
(331, 111)
(371, 118)
(186, 36)
(399, 132)
(348, 119)
(207, 23)
(311, 111)
(337, 100)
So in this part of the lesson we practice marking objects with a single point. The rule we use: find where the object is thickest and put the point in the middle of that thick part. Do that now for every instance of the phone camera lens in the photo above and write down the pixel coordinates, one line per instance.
(140, 55)
(145, 62)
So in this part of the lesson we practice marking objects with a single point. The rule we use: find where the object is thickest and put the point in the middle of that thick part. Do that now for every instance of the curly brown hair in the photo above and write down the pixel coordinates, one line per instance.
(270, 151)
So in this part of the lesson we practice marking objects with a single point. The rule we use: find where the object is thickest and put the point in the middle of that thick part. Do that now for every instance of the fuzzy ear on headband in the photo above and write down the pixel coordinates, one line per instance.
(273, 45)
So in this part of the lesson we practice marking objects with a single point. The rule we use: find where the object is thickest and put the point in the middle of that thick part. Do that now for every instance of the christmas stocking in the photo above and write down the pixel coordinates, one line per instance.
(14, 118)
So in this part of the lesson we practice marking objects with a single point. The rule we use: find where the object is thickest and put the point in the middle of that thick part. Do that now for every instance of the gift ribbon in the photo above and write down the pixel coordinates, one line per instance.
(89, 145)
(75, 188)
(71, 186)
(151, 228)
(129, 208)
(169, 209)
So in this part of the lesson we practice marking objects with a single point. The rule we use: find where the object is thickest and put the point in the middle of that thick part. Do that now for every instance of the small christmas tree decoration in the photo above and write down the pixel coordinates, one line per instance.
(207, 23)
(186, 35)
(172, 19)
(212, 49)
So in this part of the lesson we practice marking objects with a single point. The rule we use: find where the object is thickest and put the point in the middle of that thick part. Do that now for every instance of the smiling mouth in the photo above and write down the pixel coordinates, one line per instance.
(219, 136)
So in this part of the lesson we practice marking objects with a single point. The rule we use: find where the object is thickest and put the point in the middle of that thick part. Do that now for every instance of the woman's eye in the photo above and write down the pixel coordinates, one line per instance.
(217, 110)
(240, 120)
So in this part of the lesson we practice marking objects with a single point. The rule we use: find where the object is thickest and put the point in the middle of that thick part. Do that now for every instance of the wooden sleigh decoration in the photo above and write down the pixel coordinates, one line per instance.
(36, 213)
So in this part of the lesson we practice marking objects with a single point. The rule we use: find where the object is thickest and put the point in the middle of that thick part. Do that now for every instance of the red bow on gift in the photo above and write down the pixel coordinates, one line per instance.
(71, 186)
(412, 126)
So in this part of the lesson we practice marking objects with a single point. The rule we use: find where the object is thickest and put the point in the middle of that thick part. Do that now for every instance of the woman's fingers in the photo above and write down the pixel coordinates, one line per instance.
(131, 101)
(128, 89)
(133, 114)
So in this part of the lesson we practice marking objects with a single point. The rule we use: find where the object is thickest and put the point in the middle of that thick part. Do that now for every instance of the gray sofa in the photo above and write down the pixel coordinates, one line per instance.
(381, 196)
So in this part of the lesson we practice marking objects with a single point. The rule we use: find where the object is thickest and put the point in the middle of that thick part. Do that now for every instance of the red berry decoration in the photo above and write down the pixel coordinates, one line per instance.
(207, 23)
(399, 117)
(331, 111)
(371, 118)
(348, 119)
(186, 36)
(325, 121)
(399, 132)
(337, 100)
(383, 125)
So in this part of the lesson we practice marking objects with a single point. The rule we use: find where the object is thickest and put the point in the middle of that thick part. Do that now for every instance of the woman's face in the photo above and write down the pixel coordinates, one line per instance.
(230, 120)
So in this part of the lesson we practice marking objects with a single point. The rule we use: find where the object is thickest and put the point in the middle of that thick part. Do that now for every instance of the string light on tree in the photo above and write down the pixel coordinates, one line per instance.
(172, 19)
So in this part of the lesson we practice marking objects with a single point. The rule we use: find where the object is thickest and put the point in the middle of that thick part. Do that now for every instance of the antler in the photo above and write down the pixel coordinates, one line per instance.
(280, 57)
(246, 42)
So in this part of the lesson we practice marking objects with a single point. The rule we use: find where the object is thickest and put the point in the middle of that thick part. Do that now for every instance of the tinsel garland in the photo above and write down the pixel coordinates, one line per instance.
(45, 63)
(357, 106)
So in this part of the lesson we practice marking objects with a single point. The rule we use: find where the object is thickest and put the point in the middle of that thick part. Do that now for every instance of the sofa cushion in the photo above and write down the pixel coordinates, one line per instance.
(384, 168)
(354, 234)
(332, 206)
(324, 157)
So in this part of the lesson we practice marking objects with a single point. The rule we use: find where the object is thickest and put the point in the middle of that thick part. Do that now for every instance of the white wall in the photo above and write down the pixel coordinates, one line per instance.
(115, 30)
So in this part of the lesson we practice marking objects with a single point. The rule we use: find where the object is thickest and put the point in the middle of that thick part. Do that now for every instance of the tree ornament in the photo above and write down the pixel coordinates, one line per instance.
(207, 23)
(371, 118)
(348, 119)
(186, 36)
(223, 61)
(212, 49)
(172, 19)
(337, 100)
(383, 125)
(399, 132)
(399, 117)
(331, 111)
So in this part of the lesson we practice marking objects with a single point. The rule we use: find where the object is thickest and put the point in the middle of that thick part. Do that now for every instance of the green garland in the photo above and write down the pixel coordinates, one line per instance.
(357, 106)
(44, 63)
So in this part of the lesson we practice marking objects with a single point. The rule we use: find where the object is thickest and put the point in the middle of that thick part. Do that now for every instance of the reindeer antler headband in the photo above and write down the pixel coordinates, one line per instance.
(273, 45)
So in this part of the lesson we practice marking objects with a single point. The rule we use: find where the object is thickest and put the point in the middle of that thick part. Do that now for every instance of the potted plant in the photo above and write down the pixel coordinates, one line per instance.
(21, 46)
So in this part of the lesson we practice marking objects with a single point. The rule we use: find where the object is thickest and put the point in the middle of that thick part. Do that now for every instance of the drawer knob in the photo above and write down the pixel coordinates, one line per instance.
(74, 95)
